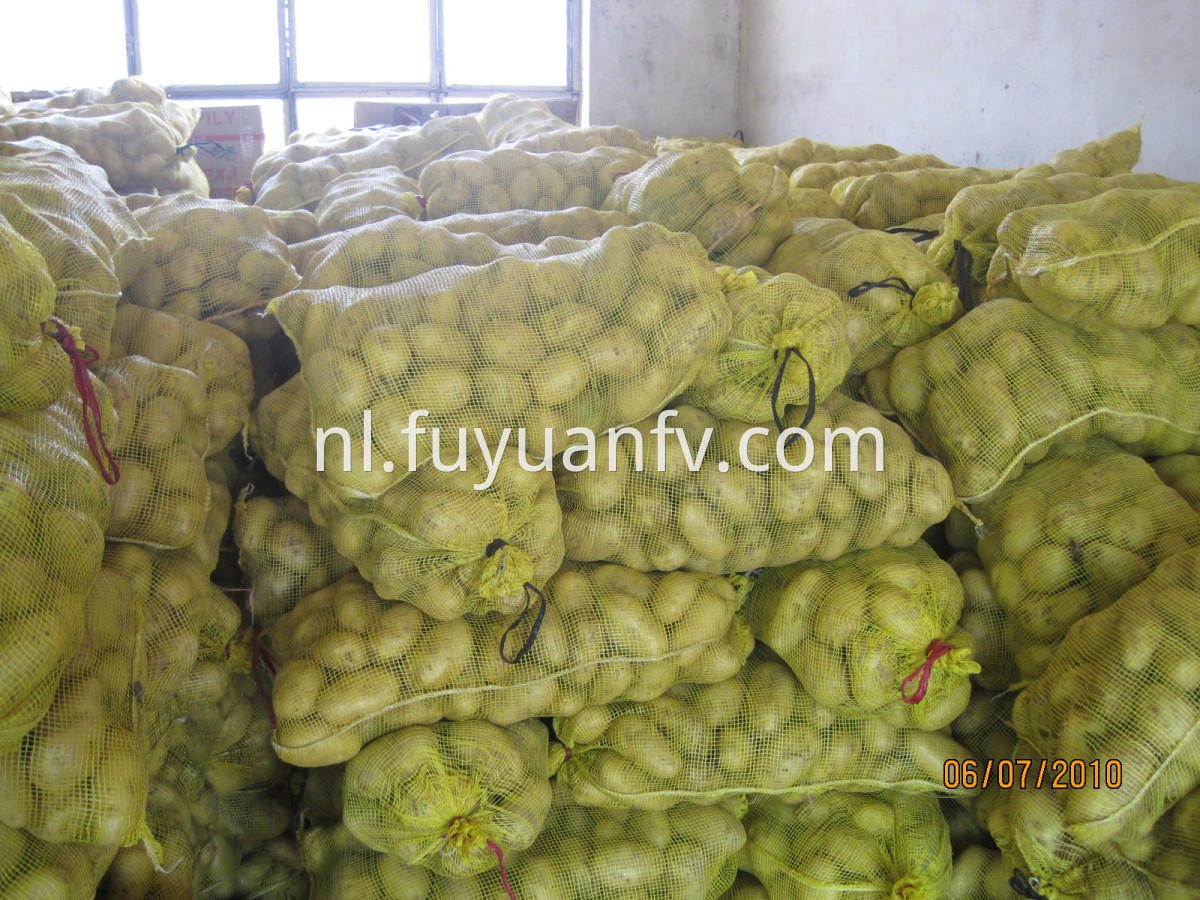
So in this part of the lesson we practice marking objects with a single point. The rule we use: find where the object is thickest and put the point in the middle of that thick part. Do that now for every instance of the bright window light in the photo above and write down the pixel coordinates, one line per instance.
(362, 40)
(218, 42)
(41, 54)
(521, 43)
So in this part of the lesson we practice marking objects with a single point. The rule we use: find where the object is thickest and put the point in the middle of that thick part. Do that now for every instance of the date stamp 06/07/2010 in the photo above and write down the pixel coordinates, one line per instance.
(1029, 773)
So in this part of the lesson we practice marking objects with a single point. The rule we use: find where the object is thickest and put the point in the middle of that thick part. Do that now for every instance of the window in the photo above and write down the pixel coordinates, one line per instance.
(305, 61)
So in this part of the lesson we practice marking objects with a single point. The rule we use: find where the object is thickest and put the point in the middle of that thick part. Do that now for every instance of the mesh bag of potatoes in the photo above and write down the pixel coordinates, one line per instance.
(283, 554)
(1181, 472)
(871, 634)
(887, 199)
(894, 296)
(1169, 856)
(55, 506)
(31, 868)
(591, 339)
(466, 537)
(580, 140)
(1072, 534)
(360, 198)
(1113, 154)
(304, 147)
(824, 175)
(839, 846)
(812, 203)
(1125, 686)
(775, 318)
(504, 179)
(352, 667)
(980, 873)
(506, 118)
(1122, 259)
(989, 624)
(692, 142)
(739, 214)
(680, 511)
(453, 797)
(217, 356)
(581, 854)
(746, 887)
(303, 184)
(159, 445)
(207, 548)
(758, 732)
(1004, 384)
(790, 155)
(293, 226)
(531, 226)
(213, 259)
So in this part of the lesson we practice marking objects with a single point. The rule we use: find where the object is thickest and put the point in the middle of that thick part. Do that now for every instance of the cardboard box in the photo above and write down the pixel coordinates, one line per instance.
(229, 140)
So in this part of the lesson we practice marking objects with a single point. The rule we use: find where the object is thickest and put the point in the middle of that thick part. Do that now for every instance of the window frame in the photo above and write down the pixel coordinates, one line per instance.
(290, 89)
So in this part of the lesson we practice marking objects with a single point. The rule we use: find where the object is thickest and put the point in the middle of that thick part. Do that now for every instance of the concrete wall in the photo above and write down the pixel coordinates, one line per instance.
(995, 84)
(661, 67)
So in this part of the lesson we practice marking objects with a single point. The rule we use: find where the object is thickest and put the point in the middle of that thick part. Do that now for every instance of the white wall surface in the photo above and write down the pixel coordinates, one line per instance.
(978, 83)
(662, 67)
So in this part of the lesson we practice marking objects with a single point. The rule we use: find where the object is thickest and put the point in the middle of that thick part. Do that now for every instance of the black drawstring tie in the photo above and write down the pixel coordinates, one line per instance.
(812, 393)
(964, 262)
(1026, 886)
(918, 234)
(894, 282)
(533, 632)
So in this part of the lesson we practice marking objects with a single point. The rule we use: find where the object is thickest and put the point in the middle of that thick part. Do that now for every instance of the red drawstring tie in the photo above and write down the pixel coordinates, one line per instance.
(93, 418)
(491, 845)
(259, 656)
(935, 651)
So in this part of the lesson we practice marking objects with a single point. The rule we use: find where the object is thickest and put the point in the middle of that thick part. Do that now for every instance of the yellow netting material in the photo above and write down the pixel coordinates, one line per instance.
(894, 296)
(786, 330)
(54, 508)
(283, 554)
(507, 118)
(824, 175)
(296, 184)
(790, 155)
(688, 852)
(758, 732)
(360, 198)
(1181, 472)
(1027, 824)
(988, 622)
(293, 226)
(352, 667)
(304, 147)
(739, 214)
(998, 389)
(206, 549)
(580, 140)
(213, 259)
(1124, 685)
(32, 869)
(888, 199)
(691, 142)
(449, 796)
(984, 728)
(731, 519)
(527, 226)
(848, 846)
(1071, 535)
(1169, 855)
(1113, 154)
(812, 203)
(980, 873)
(746, 887)
(217, 356)
(132, 89)
(592, 339)
(504, 179)
(160, 443)
(872, 634)
(1122, 259)
(435, 539)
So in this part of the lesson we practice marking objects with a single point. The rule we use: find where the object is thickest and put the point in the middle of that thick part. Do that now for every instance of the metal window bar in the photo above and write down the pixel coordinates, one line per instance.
(289, 88)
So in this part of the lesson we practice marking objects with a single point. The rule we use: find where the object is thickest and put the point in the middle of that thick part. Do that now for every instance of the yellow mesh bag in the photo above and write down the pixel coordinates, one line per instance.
(739, 214)
(887, 199)
(692, 141)
(871, 634)
(321, 799)
(213, 259)
(528, 226)
(352, 667)
(491, 181)
(591, 339)
(812, 203)
(207, 547)
(1071, 535)
(303, 184)
(980, 873)
(1041, 855)
(457, 537)
(55, 506)
(1113, 154)
(988, 622)
(775, 318)
(580, 140)
(217, 356)
(302, 147)
(746, 887)
(708, 517)
(1125, 685)
(360, 198)
(758, 732)
(985, 729)
(293, 226)
(273, 871)
(1170, 855)
(453, 797)
(507, 118)
(894, 296)
(790, 155)
(842, 846)
(689, 851)
(1003, 385)
(31, 869)
(160, 443)
(1181, 472)
(283, 554)
(1121, 259)
(824, 175)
